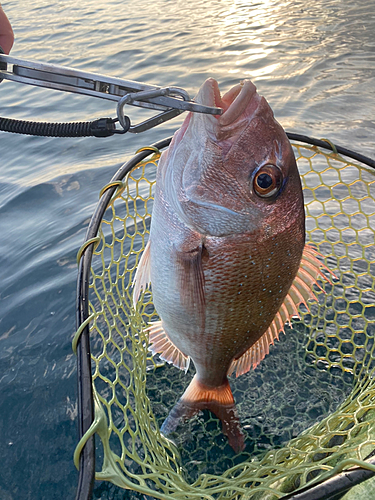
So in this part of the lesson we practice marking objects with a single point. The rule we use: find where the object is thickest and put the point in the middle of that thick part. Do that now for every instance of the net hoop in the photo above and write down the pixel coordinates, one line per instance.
(85, 459)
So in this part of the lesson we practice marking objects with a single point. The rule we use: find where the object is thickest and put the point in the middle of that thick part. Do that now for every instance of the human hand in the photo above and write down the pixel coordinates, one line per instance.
(6, 32)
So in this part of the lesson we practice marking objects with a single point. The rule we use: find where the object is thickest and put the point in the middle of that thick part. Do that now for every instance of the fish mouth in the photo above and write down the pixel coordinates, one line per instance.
(242, 99)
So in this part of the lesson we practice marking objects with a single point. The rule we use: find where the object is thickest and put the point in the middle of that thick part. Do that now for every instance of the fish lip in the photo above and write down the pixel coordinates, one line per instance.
(240, 100)
(210, 95)
(237, 102)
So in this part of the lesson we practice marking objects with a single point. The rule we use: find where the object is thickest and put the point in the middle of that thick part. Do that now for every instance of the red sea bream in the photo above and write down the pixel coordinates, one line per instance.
(226, 258)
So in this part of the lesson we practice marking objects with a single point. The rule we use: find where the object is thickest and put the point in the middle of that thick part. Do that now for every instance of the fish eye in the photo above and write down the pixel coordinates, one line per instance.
(267, 181)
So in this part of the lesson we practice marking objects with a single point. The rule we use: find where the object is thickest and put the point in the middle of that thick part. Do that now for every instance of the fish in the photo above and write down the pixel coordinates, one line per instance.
(226, 257)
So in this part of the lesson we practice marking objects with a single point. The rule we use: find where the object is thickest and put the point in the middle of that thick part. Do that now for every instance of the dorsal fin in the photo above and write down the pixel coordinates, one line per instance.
(299, 293)
(162, 345)
(142, 275)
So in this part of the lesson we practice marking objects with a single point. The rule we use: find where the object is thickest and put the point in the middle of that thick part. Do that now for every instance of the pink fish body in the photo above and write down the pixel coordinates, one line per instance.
(226, 256)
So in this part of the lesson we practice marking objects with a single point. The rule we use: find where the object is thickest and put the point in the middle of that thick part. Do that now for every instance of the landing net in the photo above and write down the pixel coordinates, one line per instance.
(308, 410)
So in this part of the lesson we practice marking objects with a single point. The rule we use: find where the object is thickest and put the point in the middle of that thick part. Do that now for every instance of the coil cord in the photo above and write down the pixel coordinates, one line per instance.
(103, 127)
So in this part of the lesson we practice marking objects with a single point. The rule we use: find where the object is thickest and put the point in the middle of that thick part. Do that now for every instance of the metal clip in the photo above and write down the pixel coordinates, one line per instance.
(170, 100)
(144, 96)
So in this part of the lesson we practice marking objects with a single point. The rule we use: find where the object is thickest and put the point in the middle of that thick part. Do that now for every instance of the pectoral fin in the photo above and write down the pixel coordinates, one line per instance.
(191, 280)
(299, 293)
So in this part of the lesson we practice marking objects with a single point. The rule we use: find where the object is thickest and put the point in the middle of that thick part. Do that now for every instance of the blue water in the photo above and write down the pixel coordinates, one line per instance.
(314, 62)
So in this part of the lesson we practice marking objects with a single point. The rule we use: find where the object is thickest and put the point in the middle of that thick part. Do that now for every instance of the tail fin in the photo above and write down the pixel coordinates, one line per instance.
(219, 400)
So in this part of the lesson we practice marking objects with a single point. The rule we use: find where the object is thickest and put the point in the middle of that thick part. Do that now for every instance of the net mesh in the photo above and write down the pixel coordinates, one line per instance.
(308, 407)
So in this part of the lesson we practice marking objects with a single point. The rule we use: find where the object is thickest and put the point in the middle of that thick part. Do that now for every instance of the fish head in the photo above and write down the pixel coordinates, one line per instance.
(231, 173)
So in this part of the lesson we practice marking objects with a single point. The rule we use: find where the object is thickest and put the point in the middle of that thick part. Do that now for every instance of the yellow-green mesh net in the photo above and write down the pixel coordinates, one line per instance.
(309, 406)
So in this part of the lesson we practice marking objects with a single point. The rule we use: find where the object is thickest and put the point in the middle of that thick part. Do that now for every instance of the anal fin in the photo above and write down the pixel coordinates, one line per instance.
(299, 293)
(142, 275)
(162, 345)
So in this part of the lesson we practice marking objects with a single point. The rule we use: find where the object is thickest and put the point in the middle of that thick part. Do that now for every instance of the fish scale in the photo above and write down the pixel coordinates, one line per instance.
(252, 307)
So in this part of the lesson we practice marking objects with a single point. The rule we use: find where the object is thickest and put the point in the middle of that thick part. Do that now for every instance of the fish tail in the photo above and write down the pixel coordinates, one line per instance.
(219, 400)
